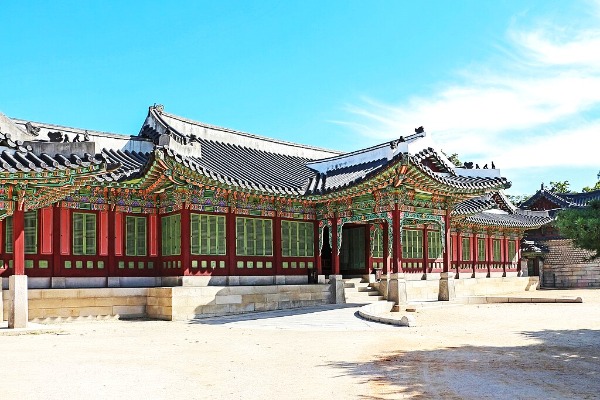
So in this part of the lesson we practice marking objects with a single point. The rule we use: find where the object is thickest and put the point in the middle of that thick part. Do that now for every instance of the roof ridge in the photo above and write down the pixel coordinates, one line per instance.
(246, 134)
(73, 129)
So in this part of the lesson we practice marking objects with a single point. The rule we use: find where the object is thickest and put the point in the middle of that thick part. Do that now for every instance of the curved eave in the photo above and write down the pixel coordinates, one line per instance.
(403, 169)
(515, 221)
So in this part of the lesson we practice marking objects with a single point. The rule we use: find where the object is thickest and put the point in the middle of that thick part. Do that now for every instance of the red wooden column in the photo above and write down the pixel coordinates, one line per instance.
(490, 253)
(19, 240)
(56, 259)
(386, 249)
(231, 243)
(368, 255)
(396, 245)
(277, 243)
(474, 246)
(447, 242)
(111, 267)
(425, 249)
(318, 265)
(335, 256)
(186, 259)
(504, 252)
(459, 251)
(153, 235)
(160, 270)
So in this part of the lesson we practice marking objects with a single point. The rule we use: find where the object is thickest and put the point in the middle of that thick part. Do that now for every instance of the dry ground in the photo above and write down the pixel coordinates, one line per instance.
(504, 351)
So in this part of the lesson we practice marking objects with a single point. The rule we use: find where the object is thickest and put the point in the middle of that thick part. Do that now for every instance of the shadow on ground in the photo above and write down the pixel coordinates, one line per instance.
(256, 315)
(554, 364)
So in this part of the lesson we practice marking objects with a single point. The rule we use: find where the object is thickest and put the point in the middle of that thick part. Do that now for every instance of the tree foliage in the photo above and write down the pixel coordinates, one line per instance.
(591, 189)
(582, 225)
(454, 160)
(560, 187)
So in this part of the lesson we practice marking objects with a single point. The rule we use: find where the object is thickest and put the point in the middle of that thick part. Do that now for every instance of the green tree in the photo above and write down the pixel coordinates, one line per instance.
(582, 225)
(453, 158)
(560, 187)
(591, 189)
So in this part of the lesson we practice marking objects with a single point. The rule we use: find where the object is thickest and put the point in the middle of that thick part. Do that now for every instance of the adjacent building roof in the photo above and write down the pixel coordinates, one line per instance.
(495, 209)
(548, 200)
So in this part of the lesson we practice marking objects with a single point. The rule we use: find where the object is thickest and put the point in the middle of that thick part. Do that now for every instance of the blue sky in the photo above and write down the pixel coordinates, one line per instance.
(514, 82)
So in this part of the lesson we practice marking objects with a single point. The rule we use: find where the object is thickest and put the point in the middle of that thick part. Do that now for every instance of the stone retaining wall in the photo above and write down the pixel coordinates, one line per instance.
(566, 266)
(75, 303)
(429, 289)
(169, 303)
(183, 303)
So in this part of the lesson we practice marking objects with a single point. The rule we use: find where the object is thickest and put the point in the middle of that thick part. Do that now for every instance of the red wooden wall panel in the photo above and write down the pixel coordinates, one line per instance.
(103, 233)
(118, 233)
(65, 231)
(153, 242)
(47, 229)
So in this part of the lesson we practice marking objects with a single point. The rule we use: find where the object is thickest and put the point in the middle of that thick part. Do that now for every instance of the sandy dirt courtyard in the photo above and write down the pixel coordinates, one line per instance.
(495, 351)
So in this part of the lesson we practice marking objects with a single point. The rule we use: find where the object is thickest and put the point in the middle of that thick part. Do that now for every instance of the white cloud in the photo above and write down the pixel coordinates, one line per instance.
(530, 111)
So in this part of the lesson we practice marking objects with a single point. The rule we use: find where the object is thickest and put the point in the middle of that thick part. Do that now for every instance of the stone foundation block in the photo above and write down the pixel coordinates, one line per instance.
(18, 307)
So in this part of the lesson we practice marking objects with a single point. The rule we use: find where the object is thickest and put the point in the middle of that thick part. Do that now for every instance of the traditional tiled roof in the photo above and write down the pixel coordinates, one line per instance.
(474, 205)
(495, 209)
(343, 171)
(124, 155)
(552, 197)
(533, 247)
(237, 158)
(525, 221)
(581, 199)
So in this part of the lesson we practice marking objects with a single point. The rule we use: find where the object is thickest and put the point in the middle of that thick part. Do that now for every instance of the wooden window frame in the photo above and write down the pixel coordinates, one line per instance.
(84, 234)
(411, 238)
(136, 251)
(248, 238)
(170, 235)
(434, 245)
(198, 235)
(8, 233)
(466, 248)
(304, 233)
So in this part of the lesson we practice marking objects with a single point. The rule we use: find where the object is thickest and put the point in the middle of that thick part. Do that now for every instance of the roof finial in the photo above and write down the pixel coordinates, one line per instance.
(419, 130)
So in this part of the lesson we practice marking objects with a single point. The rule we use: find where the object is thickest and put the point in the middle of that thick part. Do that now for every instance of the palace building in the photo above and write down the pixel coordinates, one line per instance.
(186, 203)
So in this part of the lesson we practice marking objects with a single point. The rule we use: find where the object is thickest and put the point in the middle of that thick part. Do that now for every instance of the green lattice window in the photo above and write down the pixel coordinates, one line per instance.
(31, 233)
(481, 249)
(208, 234)
(135, 236)
(254, 237)
(496, 248)
(512, 250)
(466, 249)
(434, 245)
(84, 234)
(171, 235)
(412, 243)
(377, 243)
(297, 239)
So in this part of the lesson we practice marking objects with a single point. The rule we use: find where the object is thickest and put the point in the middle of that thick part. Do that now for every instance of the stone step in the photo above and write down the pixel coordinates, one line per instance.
(365, 288)
(363, 299)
